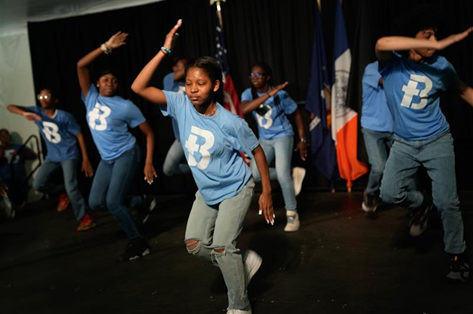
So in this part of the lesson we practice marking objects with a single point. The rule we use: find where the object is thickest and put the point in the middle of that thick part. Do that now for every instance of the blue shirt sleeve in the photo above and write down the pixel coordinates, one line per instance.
(247, 138)
(371, 76)
(89, 101)
(246, 95)
(289, 105)
(134, 115)
(175, 102)
(72, 125)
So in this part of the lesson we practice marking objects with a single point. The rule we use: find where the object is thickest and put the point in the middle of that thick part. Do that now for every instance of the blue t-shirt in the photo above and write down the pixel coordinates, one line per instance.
(108, 119)
(375, 112)
(174, 86)
(413, 94)
(59, 134)
(271, 115)
(211, 146)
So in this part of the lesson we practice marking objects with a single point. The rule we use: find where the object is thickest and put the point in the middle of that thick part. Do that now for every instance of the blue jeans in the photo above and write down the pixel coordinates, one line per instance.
(281, 148)
(218, 226)
(377, 146)
(436, 155)
(175, 162)
(112, 181)
(42, 182)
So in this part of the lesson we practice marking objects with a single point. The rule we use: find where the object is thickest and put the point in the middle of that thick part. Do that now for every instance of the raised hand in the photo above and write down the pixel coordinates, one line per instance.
(276, 89)
(172, 36)
(117, 40)
(450, 40)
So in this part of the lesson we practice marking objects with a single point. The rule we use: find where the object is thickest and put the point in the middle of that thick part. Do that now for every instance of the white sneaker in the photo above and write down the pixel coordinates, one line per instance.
(234, 311)
(298, 175)
(293, 222)
(252, 264)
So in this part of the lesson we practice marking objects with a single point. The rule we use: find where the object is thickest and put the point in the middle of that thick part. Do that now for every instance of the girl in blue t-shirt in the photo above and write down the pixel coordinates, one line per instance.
(212, 138)
(270, 106)
(414, 77)
(109, 117)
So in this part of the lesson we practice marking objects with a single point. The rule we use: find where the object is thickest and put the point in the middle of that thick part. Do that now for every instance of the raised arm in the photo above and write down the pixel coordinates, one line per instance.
(86, 166)
(141, 84)
(265, 199)
(149, 171)
(22, 112)
(83, 72)
(385, 45)
(249, 106)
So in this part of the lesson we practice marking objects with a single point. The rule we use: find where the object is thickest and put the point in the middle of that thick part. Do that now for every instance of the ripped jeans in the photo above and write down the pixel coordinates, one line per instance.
(216, 229)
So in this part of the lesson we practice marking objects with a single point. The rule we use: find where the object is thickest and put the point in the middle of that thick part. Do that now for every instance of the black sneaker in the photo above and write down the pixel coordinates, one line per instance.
(370, 202)
(420, 217)
(135, 249)
(459, 269)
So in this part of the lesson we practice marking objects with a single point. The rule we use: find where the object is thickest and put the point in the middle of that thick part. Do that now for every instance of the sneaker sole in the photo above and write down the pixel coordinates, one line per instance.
(86, 228)
(367, 209)
(255, 261)
(145, 252)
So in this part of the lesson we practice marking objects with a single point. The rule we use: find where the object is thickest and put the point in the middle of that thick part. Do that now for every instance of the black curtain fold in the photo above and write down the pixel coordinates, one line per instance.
(276, 31)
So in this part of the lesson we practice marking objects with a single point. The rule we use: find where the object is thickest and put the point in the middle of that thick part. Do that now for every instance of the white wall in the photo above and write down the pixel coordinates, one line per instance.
(16, 85)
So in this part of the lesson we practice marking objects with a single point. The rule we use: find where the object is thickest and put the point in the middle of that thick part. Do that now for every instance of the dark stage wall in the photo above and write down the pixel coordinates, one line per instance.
(277, 31)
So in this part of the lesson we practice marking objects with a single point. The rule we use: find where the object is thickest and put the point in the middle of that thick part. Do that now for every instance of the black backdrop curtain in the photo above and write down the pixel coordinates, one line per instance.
(276, 31)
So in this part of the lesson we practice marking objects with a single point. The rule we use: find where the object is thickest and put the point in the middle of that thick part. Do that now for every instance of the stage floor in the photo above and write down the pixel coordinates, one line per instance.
(341, 261)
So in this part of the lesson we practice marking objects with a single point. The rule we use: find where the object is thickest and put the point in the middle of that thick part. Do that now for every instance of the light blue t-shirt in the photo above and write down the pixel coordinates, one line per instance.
(413, 93)
(174, 86)
(375, 112)
(108, 119)
(59, 134)
(212, 147)
(271, 115)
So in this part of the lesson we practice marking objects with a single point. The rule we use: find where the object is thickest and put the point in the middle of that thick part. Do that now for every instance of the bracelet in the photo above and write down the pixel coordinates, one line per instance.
(106, 49)
(168, 51)
(303, 140)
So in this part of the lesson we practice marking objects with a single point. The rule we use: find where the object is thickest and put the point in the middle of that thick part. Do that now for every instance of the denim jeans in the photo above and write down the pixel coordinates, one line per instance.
(281, 148)
(218, 226)
(42, 182)
(112, 181)
(377, 146)
(175, 162)
(436, 155)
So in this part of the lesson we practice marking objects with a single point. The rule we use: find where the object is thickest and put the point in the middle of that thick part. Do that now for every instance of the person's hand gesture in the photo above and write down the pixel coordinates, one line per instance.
(30, 116)
(150, 173)
(172, 36)
(117, 40)
(266, 207)
(302, 148)
(276, 89)
(450, 40)
(87, 169)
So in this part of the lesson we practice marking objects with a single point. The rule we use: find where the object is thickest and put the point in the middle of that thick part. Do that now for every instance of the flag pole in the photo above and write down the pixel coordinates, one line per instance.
(219, 11)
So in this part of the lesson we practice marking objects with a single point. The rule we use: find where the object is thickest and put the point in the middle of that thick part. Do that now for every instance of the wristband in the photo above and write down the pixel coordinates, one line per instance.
(303, 140)
(168, 51)
(106, 49)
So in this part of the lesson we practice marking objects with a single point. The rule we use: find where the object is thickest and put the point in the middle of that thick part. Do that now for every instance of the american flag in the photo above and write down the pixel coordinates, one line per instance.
(231, 102)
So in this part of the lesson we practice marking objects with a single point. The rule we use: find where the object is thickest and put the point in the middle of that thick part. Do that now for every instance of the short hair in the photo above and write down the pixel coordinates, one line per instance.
(213, 70)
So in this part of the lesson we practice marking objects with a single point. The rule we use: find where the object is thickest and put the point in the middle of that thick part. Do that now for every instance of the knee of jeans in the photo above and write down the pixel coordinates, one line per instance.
(168, 171)
(38, 186)
(390, 196)
(193, 246)
(218, 251)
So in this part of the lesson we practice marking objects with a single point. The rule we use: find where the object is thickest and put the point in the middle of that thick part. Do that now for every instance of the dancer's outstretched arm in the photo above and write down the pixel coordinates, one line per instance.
(141, 84)
(83, 72)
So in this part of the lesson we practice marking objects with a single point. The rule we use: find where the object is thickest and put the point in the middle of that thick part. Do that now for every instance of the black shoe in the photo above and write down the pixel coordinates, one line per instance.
(370, 202)
(459, 269)
(135, 249)
(420, 217)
